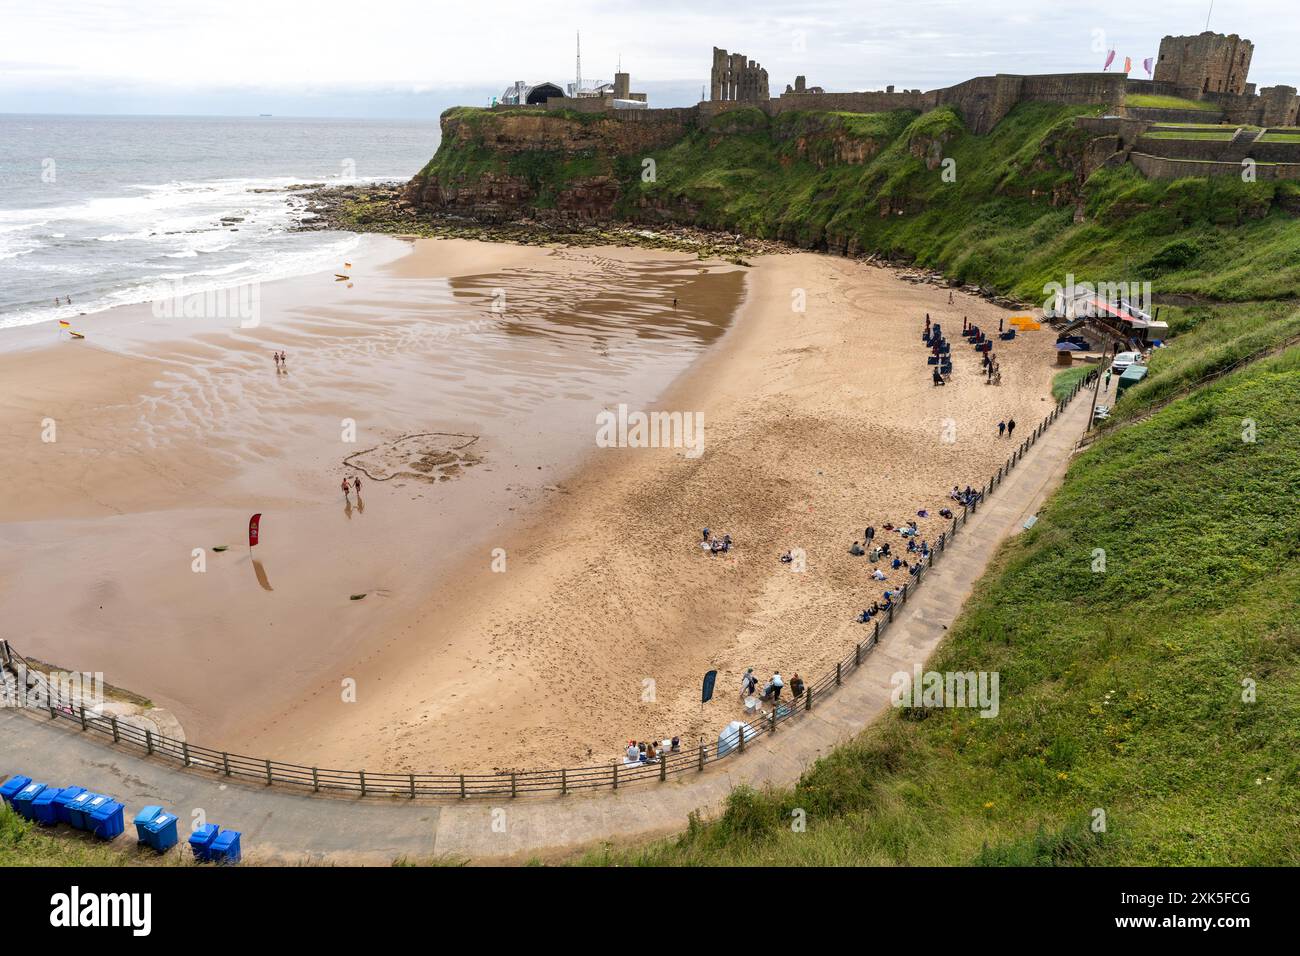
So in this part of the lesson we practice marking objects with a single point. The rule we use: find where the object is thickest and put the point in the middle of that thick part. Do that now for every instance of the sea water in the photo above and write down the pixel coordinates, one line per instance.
(112, 210)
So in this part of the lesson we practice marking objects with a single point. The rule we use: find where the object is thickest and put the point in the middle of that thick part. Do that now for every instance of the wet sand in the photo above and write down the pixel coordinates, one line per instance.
(169, 433)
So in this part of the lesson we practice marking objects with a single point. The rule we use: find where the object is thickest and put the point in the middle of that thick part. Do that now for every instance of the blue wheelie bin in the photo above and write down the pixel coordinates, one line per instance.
(9, 789)
(160, 832)
(106, 820)
(24, 797)
(81, 807)
(62, 799)
(44, 810)
(142, 819)
(201, 841)
(225, 848)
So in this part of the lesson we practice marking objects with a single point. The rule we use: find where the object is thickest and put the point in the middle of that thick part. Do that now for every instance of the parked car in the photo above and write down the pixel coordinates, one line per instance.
(1123, 360)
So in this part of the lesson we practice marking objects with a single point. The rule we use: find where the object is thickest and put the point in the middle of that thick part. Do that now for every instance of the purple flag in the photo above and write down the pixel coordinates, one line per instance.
(1110, 58)
(1146, 65)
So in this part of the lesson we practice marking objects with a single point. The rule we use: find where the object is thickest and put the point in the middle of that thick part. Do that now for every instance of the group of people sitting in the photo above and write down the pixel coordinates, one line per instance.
(715, 545)
(916, 545)
(877, 608)
(968, 497)
(638, 751)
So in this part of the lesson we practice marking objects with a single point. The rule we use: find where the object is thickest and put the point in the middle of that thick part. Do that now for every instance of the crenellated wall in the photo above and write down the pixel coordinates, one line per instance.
(982, 101)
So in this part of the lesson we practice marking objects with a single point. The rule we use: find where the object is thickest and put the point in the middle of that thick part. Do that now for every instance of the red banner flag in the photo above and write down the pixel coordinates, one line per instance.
(1128, 64)
(253, 523)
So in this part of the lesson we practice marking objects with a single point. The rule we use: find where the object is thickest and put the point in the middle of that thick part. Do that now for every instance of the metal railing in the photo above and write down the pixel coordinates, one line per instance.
(514, 783)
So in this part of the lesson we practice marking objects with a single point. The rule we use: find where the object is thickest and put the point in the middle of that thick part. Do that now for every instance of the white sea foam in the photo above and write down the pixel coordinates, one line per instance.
(179, 221)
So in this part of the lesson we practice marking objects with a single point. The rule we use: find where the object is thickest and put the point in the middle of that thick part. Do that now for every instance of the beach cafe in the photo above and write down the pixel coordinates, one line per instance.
(1122, 320)
(1134, 324)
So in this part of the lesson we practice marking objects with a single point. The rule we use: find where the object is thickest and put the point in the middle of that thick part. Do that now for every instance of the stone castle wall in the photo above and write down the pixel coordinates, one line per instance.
(982, 101)
(1208, 62)
(851, 102)
(1159, 167)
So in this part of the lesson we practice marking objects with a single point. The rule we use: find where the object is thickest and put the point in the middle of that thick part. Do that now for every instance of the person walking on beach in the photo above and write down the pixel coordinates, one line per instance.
(1002, 427)
(950, 296)
(356, 483)
(1011, 427)
(747, 684)
(674, 302)
(346, 486)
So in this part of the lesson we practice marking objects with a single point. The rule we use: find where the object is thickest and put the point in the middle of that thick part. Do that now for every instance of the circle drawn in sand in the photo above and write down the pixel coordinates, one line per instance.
(426, 456)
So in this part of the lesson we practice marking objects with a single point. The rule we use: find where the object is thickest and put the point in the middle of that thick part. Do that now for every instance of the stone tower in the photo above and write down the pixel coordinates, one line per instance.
(737, 79)
(1209, 62)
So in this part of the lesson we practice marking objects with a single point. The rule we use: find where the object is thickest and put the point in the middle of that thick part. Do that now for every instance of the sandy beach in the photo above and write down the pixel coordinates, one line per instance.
(165, 435)
(532, 599)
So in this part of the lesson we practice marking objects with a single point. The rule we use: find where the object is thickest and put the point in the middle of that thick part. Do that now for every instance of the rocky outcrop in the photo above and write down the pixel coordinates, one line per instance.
(495, 165)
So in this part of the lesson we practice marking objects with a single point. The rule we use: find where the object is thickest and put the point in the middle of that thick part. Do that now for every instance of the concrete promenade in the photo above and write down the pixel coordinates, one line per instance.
(283, 826)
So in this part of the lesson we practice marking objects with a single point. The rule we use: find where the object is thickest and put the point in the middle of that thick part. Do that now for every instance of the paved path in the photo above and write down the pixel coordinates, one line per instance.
(285, 826)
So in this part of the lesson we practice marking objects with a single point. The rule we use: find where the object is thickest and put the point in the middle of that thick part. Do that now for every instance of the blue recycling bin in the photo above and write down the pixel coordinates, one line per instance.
(225, 848)
(106, 820)
(160, 832)
(142, 819)
(9, 789)
(201, 841)
(44, 810)
(24, 797)
(62, 799)
(81, 807)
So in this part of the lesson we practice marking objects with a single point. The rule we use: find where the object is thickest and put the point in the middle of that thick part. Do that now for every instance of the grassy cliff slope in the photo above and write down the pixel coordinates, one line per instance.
(998, 210)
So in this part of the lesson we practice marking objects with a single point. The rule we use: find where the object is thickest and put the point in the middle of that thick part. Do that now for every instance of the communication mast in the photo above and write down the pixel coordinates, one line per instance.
(577, 86)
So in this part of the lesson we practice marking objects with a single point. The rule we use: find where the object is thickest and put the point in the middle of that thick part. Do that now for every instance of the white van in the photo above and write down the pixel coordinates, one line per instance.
(1123, 360)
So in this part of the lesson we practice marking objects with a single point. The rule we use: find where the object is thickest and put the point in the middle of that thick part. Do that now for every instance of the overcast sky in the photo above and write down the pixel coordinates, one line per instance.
(413, 57)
